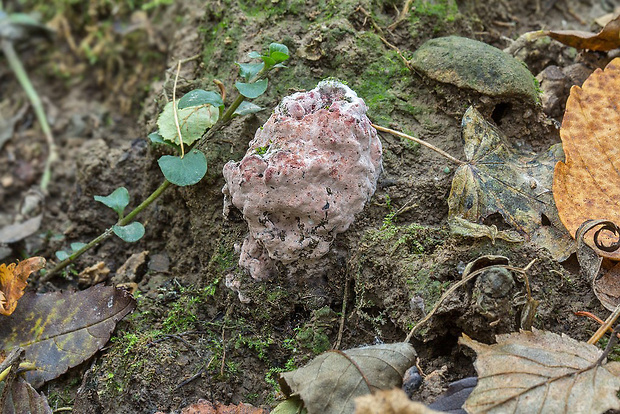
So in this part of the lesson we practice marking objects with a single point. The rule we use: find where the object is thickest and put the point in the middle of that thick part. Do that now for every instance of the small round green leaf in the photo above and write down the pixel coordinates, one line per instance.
(254, 55)
(193, 122)
(252, 90)
(117, 201)
(62, 255)
(129, 233)
(249, 70)
(184, 171)
(247, 108)
(199, 97)
(156, 138)
(77, 246)
(278, 48)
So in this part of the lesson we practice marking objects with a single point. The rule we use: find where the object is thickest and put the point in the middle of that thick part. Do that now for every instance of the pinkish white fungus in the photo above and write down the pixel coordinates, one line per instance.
(308, 171)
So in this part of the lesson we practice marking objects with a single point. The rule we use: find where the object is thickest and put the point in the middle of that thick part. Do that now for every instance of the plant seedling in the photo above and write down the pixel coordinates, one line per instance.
(189, 121)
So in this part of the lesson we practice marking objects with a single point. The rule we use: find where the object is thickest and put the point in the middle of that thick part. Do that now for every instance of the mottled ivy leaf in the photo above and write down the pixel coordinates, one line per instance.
(60, 330)
(252, 90)
(61, 255)
(278, 51)
(330, 382)
(199, 97)
(77, 246)
(500, 178)
(247, 108)
(193, 122)
(254, 55)
(184, 171)
(117, 201)
(130, 233)
(280, 65)
(249, 70)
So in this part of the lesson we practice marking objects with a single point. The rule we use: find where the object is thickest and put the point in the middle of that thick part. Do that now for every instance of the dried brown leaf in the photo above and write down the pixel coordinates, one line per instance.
(13, 282)
(607, 39)
(330, 382)
(587, 185)
(60, 330)
(206, 407)
(541, 372)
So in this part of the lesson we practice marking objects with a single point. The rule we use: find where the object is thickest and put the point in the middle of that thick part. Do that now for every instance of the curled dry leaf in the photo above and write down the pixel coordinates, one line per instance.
(500, 178)
(587, 185)
(541, 372)
(607, 39)
(13, 282)
(331, 381)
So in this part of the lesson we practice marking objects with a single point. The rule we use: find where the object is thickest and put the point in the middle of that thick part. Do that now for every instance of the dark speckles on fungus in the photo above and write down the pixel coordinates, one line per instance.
(313, 156)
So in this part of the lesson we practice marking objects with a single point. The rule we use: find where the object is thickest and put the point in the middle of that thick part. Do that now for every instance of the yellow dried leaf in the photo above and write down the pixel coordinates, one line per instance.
(587, 185)
(13, 282)
(607, 39)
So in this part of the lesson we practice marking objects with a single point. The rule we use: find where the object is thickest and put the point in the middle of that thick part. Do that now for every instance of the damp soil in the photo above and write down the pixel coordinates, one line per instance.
(193, 337)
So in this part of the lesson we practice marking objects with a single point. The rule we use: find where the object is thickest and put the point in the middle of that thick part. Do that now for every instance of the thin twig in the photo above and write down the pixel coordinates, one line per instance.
(419, 141)
(402, 15)
(345, 298)
(174, 108)
(609, 322)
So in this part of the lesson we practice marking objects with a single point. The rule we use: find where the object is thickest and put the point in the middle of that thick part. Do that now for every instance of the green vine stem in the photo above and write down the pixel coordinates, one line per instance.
(228, 115)
(17, 67)
(107, 233)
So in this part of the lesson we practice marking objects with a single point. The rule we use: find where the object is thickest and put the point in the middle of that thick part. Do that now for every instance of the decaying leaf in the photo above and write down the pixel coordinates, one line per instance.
(390, 402)
(16, 395)
(607, 39)
(541, 372)
(587, 185)
(60, 330)
(13, 282)
(499, 178)
(19, 231)
(330, 382)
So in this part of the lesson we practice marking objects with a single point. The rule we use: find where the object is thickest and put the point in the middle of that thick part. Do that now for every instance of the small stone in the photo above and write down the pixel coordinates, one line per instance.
(475, 65)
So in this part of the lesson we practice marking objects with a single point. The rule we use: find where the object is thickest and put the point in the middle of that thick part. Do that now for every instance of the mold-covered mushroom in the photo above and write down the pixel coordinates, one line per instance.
(308, 171)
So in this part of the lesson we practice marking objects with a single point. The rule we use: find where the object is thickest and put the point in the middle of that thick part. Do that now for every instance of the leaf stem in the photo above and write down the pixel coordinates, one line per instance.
(22, 76)
(419, 141)
(107, 233)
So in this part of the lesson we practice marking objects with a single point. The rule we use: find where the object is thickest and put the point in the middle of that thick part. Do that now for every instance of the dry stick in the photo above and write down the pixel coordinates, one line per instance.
(419, 141)
(609, 322)
(174, 108)
(344, 313)
(402, 15)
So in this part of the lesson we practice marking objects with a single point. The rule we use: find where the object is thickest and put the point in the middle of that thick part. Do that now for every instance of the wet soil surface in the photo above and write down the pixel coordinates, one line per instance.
(194, 337)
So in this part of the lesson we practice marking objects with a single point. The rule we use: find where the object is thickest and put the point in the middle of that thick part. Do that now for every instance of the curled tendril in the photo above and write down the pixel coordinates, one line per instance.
(612, 228)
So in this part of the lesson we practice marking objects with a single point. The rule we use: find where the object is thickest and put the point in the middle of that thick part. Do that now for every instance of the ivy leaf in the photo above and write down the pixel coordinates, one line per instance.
(129, 233)
(117, 201)
(184, 171)
(193, 122)
(269, 61)
(252, 90)
(249, 70)
(247, 108)
(156, 138)
(199, 97)
(255, 55)
(500, 178)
